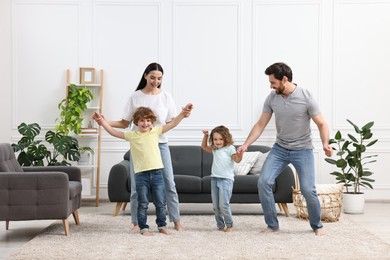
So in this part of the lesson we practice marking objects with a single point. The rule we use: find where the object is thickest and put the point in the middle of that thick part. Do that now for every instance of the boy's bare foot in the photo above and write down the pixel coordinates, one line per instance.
(179, 227)
(221, 229)
(165, 231)
(229, 229)
(319, 232)
(270, 230)
(134, 229)
(147, 234)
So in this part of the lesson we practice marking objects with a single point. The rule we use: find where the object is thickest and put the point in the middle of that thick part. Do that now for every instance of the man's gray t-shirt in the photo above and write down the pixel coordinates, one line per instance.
(292, 117)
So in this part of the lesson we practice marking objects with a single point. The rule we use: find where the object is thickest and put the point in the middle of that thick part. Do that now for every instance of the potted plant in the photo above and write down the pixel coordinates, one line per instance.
(85, 154)
(352, 162)
(72, 108)
(34, 152)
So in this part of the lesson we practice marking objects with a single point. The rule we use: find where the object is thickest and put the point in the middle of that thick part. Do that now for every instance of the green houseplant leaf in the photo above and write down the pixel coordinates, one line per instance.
(351, 160)
(72, 108)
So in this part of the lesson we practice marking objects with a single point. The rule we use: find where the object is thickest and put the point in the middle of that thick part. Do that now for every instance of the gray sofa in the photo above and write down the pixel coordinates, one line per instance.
(192, 169)
(37, 192)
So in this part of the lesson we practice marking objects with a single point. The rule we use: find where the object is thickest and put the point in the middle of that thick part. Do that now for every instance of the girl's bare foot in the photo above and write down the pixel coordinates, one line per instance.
(319, 232)
(179, 227)
(229, 229)
(147, 234)
(165, 231)
(135, 229)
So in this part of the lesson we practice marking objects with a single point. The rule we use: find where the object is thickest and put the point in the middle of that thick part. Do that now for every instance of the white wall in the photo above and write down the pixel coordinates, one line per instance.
(214, 54)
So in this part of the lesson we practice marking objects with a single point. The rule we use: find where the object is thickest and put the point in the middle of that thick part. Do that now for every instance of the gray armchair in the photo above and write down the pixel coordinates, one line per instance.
(35, 193)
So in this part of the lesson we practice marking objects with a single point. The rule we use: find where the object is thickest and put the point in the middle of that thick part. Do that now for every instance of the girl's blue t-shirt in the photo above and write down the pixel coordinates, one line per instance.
(223, 163)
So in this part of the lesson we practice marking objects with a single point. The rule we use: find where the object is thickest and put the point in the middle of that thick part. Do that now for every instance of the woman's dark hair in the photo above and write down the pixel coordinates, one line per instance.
(280, 70)
(149, 68)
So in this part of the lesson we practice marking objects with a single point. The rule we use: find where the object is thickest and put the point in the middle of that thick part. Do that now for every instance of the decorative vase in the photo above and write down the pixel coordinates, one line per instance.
(353, 203)
(84, 159)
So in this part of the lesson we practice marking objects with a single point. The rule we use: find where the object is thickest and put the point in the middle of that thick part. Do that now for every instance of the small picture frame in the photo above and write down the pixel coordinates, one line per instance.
(87, 75)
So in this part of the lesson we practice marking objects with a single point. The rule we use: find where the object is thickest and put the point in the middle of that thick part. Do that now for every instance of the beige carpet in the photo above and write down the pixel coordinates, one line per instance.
(107, 237)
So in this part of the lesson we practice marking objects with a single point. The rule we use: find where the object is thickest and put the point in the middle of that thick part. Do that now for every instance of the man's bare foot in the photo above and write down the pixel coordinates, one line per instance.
(179, 227)
(270, 230)
(147, 234)
(165, 231)
(319, 232)
(221, 229)
(229, 229)
(134, 229)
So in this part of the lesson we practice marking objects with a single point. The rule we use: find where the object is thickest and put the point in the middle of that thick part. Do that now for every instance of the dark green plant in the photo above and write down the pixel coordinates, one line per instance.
(72, 108)
(352, 160)
(34, 152)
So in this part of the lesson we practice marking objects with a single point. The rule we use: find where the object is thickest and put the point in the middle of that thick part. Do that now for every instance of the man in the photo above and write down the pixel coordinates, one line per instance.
(293, 107)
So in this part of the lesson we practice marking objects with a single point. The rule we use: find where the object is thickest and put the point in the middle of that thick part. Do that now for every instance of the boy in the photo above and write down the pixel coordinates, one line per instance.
(147, 161)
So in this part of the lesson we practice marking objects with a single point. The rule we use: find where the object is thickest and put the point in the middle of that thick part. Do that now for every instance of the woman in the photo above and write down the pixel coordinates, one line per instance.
(150, 94)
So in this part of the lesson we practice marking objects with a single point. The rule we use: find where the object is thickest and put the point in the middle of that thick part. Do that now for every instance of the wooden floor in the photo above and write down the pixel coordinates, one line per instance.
(375, 220)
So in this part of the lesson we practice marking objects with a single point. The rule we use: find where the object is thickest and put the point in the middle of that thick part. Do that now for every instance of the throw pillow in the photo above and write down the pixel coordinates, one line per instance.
(248, 159)
(256, 168)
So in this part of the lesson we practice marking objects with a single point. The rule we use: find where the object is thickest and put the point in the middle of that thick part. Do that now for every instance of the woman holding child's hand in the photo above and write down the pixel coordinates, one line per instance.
(149, 94)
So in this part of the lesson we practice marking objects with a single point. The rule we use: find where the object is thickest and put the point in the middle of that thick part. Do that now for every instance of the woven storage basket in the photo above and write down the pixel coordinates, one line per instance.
(330, 196)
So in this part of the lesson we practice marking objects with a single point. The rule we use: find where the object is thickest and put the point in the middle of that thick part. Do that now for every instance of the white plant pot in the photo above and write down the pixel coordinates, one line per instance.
(84, 159)
(353, 203)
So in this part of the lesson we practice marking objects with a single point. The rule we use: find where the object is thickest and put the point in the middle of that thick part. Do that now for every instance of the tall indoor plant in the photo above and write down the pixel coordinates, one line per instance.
(72, 108)
(352, 161)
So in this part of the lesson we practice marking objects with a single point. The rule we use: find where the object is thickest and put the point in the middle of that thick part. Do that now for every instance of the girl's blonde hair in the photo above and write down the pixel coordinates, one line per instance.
(143, 113)
(224, 132)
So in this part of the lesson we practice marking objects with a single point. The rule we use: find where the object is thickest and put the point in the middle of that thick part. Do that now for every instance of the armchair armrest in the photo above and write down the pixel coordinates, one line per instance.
(118, 181)
(73, 172)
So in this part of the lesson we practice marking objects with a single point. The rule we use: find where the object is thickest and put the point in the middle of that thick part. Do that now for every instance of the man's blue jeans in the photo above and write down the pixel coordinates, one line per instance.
(170, 187)
(303, 161)
(221, 193)
(151, 183)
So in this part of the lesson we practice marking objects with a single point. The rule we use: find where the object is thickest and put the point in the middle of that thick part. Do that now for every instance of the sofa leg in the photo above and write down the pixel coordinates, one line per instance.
(66, 226)
(285, 208)
(6, 224)
(117, 208)
(76, 217)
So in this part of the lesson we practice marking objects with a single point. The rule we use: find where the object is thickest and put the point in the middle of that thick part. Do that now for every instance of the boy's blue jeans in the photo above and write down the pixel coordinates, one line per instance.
(151, 182)
(170, 187)
(303, 161)
(221, 193)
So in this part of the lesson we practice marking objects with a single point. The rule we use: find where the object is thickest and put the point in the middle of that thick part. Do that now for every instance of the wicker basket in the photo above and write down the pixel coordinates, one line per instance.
(330, 196)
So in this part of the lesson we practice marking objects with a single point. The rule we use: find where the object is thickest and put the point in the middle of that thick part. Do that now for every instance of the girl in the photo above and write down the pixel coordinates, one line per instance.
(222, 175)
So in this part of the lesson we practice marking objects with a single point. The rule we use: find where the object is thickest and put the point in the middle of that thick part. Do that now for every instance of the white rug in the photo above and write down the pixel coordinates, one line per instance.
(107, 237)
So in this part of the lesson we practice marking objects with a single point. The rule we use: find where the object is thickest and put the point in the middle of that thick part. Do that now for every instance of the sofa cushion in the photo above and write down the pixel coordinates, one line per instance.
(188, 184)
(245, 184)
(256, 168)
(246, 164)
(206, 184)
(186, 160)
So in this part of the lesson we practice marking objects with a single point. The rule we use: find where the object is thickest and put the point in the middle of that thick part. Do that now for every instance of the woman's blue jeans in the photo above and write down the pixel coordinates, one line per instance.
(221, 193)
(170, 187)
(151, 183)
(303, 161)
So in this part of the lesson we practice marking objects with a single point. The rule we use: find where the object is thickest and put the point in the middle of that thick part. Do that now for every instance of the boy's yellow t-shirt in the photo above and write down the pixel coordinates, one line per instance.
(144, 149)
